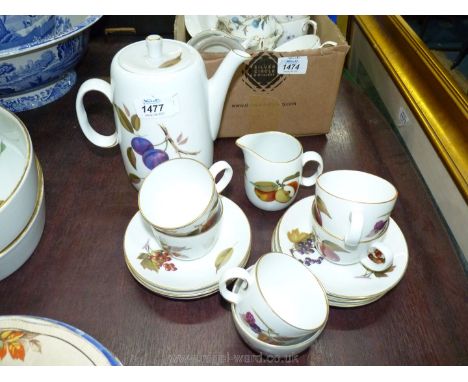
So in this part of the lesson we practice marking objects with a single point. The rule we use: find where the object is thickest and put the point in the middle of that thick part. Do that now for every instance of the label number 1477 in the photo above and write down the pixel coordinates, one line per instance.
(152, 108)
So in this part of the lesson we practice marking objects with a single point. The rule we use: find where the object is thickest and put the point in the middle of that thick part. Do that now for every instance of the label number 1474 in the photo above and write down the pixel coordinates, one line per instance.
(291, 67)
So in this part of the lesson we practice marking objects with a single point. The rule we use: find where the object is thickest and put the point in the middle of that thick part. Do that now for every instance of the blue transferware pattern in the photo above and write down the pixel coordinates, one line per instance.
(24, 29)
(40, 97)
(39, 68)
(35, 74)
(65, 27)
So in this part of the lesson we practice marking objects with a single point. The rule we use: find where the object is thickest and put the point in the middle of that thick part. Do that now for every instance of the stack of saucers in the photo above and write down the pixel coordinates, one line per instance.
(169, 276)
(347, 286)
(22, 208)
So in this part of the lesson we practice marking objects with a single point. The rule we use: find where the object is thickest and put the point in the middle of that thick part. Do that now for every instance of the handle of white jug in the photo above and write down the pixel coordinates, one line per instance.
(312, 156)
(104, 87)
(379, 258)
(216, 168)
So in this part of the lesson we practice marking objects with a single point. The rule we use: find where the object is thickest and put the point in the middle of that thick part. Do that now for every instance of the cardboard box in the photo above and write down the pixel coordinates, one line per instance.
(260, 99)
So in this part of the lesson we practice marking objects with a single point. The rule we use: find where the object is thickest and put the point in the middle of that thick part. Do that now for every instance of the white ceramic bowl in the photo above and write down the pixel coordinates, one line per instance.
(16, 254)
(18, 177)
(264, 348)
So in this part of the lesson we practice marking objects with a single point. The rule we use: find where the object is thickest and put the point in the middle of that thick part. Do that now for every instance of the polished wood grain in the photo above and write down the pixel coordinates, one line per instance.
(78, 274)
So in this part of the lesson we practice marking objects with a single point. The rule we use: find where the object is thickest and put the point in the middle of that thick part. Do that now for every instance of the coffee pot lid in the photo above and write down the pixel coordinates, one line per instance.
(155, 55)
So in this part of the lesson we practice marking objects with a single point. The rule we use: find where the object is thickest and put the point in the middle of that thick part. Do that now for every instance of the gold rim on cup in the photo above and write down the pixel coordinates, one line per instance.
(213, 193)
(218, 206)
(351, 200)
(273, 310)
(381, 233)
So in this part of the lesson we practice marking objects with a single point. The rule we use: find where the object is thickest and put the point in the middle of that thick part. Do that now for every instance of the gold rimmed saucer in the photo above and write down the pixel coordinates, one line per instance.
(346, 286)
(163, 273)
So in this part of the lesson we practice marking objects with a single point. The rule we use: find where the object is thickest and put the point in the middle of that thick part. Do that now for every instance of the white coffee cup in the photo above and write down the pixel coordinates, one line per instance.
(352, 205)
(280, 295)
(178, 196)
(296, 28)
(373, 254)
(192, 247)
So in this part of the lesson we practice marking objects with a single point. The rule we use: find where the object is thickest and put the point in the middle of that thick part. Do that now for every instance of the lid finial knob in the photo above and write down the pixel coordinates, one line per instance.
(154, 45)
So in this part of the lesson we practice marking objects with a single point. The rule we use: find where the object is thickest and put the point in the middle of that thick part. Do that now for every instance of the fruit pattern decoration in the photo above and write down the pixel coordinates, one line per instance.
(281, 192)
(152, 154)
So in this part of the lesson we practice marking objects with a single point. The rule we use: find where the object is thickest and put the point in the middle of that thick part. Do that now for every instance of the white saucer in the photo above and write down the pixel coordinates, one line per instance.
(350, 283)
(188, 279)
(256, 343)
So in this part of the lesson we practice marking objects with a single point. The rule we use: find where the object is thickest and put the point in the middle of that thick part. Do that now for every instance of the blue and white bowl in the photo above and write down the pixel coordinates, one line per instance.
(23, 29)
(41, 71)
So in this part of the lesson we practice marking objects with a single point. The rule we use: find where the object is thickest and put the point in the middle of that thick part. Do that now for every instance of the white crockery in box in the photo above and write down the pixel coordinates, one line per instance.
(18, 174)
(17, 252)
(296, 28)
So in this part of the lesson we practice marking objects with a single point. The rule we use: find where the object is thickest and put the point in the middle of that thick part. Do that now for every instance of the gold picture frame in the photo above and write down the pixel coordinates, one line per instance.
(437, 102)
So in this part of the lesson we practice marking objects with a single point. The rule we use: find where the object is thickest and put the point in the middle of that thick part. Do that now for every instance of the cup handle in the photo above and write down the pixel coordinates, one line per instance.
(312, 156)
(387, 258)
(216, 168)
(231, 274)
(353, 236)
(96, 138)
(305, 27)
(328, 43)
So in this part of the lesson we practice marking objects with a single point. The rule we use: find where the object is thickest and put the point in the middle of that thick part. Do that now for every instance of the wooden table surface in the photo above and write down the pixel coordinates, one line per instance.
(78, 274)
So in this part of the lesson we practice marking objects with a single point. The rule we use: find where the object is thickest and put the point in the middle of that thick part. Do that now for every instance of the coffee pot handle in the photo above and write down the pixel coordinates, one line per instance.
(104, 87)
(312, 156)
(380, 261)
(231, 274)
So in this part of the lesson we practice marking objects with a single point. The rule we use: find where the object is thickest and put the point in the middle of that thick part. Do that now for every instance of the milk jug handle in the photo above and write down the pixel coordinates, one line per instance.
(312, 156)
(104, 87)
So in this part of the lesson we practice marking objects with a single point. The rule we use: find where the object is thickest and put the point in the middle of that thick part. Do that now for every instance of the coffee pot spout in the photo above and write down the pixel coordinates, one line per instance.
(218, 86)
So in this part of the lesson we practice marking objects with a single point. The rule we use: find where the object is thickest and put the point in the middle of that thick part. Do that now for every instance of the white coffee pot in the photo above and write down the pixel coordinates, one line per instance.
(164, 105)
